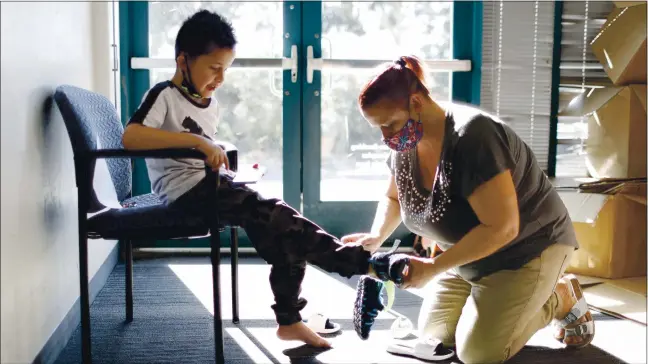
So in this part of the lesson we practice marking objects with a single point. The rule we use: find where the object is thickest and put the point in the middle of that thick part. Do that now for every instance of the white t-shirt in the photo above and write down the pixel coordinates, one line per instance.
(166, 107)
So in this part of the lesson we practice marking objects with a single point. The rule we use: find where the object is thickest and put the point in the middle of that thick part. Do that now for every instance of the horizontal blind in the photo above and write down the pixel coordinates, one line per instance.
(579, 70)
(581, 19)
(517, 48)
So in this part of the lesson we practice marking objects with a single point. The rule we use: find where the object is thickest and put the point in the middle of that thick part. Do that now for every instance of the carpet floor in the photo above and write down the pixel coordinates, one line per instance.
(173, 322)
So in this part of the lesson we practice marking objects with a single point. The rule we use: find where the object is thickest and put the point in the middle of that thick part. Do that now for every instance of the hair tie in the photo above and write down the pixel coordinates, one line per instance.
(401, 62)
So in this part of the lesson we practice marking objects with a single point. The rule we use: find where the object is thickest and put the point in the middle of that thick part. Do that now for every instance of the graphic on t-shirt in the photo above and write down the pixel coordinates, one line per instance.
(192, 126)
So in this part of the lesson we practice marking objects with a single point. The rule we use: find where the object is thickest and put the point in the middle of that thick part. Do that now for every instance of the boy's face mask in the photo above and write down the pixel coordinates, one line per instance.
(407, 138)
(187, 84)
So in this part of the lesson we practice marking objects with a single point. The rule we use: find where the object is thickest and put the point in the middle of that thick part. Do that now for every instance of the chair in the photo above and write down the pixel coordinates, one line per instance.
(95, 132)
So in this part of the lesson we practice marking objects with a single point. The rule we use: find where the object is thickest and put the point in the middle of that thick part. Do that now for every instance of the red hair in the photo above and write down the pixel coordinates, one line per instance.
(395, 83)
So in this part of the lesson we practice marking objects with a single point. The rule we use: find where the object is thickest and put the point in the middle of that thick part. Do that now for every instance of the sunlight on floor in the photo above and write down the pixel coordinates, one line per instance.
(324, 294)
(602, 301)
(617, 300)
(249, 348)
(621, 338)
(624, 339)
(356, 351)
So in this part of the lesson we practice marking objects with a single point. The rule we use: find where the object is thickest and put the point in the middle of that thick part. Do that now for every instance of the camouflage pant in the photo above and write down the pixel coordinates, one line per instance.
(282, 237)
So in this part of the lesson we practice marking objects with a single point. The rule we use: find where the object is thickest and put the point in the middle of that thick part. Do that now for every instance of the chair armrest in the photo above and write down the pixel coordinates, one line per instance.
(232, 153)
(229, 148)
(148, 153)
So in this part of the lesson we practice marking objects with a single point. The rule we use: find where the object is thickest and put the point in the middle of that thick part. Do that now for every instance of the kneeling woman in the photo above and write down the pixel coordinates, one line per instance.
(464, 179)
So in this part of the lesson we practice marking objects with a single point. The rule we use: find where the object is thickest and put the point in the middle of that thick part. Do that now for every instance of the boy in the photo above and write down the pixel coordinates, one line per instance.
(180, 113)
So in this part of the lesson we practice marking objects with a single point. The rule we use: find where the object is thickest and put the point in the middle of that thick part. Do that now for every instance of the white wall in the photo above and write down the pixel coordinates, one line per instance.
(43, 45)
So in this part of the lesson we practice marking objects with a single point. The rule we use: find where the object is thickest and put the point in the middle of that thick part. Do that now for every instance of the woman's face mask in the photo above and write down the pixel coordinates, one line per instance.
(407, 138)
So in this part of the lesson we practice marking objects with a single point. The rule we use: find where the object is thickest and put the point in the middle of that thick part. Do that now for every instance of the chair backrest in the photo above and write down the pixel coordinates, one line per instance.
(91, 120)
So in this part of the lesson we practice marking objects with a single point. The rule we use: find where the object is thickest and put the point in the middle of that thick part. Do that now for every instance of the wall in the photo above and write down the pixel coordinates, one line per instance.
(44, 45)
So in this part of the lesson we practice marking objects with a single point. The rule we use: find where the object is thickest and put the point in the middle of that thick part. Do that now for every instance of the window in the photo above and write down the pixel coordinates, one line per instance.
(579, 72)
(517, 54)
(353, 157)
(251, 98)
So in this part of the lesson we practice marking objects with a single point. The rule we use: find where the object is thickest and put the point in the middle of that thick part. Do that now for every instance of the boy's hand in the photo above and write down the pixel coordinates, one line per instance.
(215, 156)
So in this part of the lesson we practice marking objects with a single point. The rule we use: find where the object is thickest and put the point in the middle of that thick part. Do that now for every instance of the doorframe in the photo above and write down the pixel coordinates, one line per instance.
(133, 37)
(292, 103)
(467, 44)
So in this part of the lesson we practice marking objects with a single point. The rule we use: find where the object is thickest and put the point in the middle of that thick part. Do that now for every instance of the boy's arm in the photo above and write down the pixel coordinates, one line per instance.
(143, 132)
(144, 128)
(138, 136)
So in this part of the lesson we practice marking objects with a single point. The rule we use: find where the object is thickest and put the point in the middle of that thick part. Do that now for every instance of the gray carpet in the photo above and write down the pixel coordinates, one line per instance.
(171, 324)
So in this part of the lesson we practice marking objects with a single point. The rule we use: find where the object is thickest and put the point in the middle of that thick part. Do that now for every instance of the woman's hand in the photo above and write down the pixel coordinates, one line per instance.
(420, 272)
(369, 242)
(215, 156)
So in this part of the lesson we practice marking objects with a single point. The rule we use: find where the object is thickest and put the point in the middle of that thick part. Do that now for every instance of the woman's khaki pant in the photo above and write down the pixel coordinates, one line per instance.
(489, 321)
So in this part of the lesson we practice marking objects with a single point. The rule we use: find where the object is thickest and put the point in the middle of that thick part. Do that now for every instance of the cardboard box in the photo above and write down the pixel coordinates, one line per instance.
(611, 232)
(616, 123)
(625, 4)
(620, 46)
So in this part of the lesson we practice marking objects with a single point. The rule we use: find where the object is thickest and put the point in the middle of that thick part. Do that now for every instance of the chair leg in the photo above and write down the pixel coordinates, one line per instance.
(128, 250)
(218, 322)
(234, 252)
(86, 341)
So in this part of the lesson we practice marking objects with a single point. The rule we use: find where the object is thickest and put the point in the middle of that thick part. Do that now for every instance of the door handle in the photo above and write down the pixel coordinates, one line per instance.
(291, 63)
(318, 64)
(312, 64)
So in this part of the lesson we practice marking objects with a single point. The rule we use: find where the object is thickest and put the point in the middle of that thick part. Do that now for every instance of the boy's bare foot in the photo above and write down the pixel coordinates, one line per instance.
(300, 332)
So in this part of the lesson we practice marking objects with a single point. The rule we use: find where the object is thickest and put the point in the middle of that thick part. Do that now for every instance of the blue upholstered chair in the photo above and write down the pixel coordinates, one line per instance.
(92, 120)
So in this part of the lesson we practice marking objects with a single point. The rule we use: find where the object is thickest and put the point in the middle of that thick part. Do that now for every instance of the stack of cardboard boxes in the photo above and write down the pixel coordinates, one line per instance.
(611, 223)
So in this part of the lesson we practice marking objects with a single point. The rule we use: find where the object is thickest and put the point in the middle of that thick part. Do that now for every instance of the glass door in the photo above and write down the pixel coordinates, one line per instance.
(344, 159)
(289, 100)
(257, 102)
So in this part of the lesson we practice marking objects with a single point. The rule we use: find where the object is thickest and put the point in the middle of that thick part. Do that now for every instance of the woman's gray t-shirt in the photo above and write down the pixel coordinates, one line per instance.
(476, 148)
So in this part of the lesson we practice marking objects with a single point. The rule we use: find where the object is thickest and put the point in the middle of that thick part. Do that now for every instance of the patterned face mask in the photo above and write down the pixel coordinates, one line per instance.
(407, 138)
(187, 85)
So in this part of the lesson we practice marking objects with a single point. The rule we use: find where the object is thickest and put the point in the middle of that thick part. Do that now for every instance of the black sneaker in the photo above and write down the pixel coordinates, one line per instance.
(367, 305)
(390, 266)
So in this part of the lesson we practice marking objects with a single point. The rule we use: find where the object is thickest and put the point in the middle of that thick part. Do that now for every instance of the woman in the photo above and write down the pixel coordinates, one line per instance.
(467, 181)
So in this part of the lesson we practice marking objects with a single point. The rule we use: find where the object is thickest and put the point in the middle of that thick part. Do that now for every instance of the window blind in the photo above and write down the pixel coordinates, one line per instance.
(579, 69)
(517, 48)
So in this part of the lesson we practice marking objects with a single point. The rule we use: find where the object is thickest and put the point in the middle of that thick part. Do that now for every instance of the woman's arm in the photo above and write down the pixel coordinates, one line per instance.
(388, 215)
(385, 222)
(495, 204)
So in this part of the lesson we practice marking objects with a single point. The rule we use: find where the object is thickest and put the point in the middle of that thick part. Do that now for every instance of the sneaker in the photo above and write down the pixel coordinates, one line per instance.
(390, 266)
(367, 305)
